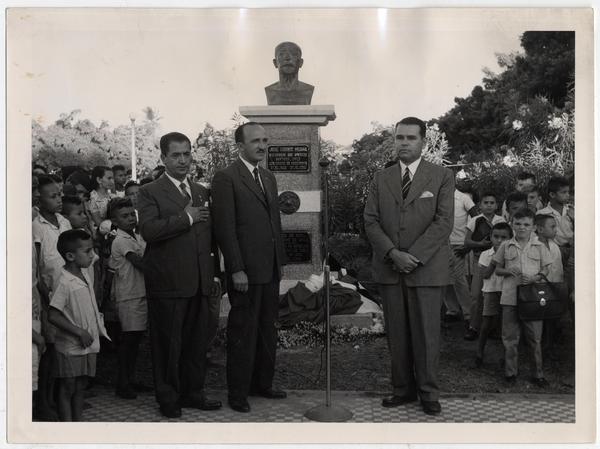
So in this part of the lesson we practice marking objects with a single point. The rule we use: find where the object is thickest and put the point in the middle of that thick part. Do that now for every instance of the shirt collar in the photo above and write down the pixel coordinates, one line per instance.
(248, 165)
(71, 277)
(177, 182)
(412, 167)
(41, 219)
(125, 234)
(533, 240)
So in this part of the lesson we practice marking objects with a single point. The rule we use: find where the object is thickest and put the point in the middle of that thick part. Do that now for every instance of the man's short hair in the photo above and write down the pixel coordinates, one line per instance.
(41, 167)
(535, 188)
(413, 121)
(503, 226)
(515, 197)
(556, 183)
(524, 213)
(116, 204)
(57, 178)
(69, 202)
(118, 167)
(541, 219)
(167, 139)
(69, 241)
(525, 175)
(292, 44)
(239, 132)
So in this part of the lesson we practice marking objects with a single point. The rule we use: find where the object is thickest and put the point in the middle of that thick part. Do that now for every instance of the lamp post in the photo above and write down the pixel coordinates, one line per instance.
(133, 155)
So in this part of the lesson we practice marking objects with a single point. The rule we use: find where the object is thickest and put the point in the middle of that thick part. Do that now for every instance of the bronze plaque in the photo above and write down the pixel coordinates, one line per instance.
(297, 246)
(288, 158)
(289, 202)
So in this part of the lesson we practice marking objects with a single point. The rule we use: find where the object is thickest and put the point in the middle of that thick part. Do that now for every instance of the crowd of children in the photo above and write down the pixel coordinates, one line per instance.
(88, 267)
(528, 243)
(87, 264)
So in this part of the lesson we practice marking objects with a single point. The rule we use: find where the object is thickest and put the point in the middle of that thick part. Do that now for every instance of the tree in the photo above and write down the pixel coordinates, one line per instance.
(478, 125)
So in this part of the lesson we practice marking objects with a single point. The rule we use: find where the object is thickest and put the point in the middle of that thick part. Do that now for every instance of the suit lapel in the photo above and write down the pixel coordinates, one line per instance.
(419, 181)
(394, 182)
(248, 180)
(172, 192)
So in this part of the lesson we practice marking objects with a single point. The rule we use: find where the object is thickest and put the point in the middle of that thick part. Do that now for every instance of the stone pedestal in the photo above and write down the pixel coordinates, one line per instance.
(293, 156)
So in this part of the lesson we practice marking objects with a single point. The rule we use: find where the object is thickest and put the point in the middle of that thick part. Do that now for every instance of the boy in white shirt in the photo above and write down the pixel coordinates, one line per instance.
(492, 286)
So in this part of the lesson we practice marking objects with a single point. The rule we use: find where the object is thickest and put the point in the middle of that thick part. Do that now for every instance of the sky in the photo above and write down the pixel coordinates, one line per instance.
(197, 66)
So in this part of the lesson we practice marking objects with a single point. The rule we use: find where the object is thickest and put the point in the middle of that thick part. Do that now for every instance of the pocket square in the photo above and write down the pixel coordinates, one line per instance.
(426, 194)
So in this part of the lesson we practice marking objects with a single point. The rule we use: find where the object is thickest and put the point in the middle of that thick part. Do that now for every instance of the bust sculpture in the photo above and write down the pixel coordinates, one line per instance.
(288, 90)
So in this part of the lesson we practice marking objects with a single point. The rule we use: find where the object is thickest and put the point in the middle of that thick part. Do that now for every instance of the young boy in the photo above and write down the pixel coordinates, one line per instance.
(73, 209)
(533, 199)
(131, 191)
(47, 226)
(120, 178)
(515, 201)
(524, 183)
(477, 238)
(492, 286)
(546, 231)
(521, 260)
(74, 312)
(130, 292)
(558, 207)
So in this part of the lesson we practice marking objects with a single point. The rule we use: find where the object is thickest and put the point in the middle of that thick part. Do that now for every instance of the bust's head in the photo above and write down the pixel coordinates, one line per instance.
(288, 58)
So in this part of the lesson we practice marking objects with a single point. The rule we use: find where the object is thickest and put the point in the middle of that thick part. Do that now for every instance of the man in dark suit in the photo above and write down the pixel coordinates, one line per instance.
(408, 218)
(181, 286)
(248, 230)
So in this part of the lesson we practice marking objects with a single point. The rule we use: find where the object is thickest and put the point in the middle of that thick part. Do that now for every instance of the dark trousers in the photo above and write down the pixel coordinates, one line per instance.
(180, 331)
(412, 325)
(252, 338)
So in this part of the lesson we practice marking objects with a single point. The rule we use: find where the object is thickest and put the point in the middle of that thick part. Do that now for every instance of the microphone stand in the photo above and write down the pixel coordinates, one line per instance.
(327, 412)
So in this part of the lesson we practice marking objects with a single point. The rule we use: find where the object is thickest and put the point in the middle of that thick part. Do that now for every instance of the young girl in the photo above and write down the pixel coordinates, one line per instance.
(74, 312)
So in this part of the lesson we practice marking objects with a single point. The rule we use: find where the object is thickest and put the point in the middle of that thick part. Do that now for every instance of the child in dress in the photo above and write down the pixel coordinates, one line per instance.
(74, 312)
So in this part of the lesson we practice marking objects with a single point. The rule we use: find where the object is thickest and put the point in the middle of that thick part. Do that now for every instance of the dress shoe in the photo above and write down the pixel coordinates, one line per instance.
(170, 410)
(431, 407)
(141, 388)
(239, 405)
(395, 401)
(511, 380)
(270, 393)
(202, 403)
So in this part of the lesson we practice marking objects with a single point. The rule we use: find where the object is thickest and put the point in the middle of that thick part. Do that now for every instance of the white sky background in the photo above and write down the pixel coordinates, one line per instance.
(197, 66)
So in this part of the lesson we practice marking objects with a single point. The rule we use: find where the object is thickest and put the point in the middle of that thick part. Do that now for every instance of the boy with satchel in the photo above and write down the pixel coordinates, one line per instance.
(521, 260)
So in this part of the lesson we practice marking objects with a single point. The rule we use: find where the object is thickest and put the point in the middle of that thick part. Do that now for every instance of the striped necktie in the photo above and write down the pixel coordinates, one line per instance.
(257, 180)
(183, 188)
(405, 183)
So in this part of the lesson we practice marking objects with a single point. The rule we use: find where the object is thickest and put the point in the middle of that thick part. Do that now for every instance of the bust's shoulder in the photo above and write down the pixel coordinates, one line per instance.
(305, 86)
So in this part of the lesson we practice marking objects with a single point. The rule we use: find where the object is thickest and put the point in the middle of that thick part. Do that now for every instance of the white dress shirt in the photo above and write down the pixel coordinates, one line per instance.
(412, 168)
(251, 168)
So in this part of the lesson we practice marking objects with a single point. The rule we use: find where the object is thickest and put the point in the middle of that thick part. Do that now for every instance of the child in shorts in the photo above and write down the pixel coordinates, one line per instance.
(521, 260)
(130, 292)
(492, 287)
(74, 312)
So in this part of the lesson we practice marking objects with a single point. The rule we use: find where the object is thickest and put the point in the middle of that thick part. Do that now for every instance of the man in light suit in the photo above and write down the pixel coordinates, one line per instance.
(180, 265)
(408, 218)
(248, 229)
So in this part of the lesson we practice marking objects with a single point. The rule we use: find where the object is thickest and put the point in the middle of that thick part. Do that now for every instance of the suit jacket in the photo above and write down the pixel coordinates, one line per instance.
(180, 258)
(248, 225)
(420, 225)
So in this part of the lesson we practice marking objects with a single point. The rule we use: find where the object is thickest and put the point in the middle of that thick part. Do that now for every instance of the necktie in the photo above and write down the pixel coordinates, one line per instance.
(255, 173)
(183, 188)
(405, 183)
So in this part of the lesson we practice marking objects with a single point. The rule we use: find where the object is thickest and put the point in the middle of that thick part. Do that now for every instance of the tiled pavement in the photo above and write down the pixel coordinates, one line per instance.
(366, 407)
